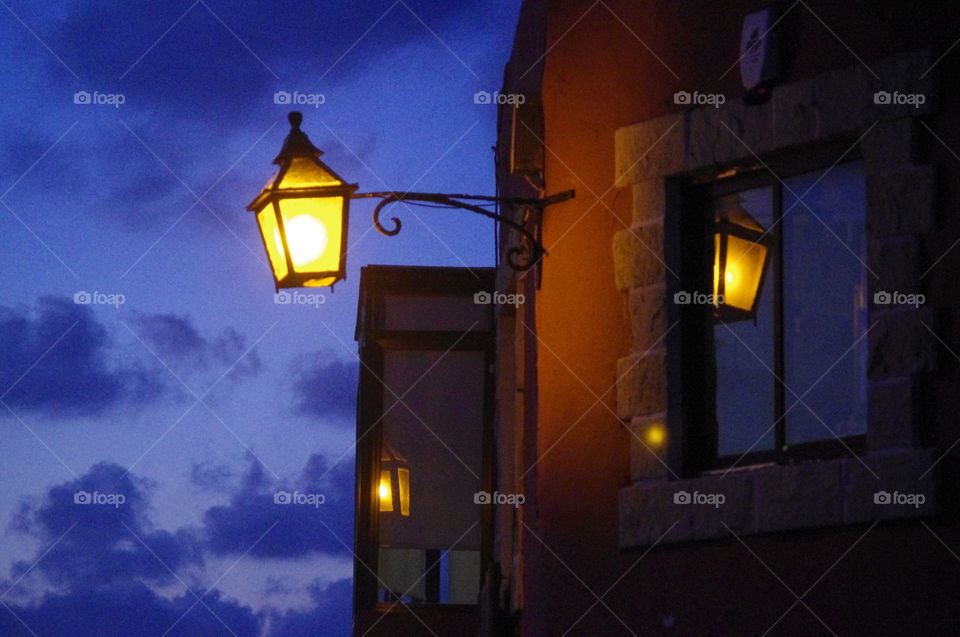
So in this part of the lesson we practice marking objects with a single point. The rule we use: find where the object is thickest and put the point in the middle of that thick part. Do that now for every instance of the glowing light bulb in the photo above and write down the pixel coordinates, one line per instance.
(384, 491)
(307, 239)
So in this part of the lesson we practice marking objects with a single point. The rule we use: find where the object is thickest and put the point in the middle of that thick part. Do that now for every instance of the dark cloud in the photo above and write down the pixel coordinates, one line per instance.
(171, 335)
(211, 477)
(103, 535)
(177, 342)
(325, 386)
(103, 558)
(54, 359)
(229, 346)
(129, 608)
(297, 529)
(196, 95)
(58, 359)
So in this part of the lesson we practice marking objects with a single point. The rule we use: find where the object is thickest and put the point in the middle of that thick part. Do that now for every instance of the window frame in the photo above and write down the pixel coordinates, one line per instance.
(700, 450)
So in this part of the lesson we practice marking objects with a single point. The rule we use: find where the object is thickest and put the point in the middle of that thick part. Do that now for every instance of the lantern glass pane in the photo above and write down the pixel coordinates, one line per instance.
(313, 227)
(304, 172)
(403, 486)
(385, 491)
(742, 271)
(717, 245)
(267, 220)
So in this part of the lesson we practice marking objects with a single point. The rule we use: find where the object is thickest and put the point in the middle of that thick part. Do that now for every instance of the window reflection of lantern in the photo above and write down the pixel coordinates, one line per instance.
(394, 487)
(741, 248)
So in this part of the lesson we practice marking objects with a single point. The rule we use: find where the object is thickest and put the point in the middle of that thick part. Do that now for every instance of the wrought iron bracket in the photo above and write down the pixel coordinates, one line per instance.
(523, 256)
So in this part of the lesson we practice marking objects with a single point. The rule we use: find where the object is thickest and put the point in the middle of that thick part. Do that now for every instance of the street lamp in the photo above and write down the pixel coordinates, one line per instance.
(740, 252)
(303, 214)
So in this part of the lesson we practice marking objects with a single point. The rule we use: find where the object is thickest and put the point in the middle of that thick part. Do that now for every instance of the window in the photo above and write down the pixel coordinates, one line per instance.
(424, 412)
(430, 466)
(812, 320)
(791, 382)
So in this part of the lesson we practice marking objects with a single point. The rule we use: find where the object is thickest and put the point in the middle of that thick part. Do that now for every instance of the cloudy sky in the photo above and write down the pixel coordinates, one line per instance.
(143, 362)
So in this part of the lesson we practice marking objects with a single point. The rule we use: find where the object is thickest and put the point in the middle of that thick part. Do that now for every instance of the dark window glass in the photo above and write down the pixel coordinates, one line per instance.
(797, 373)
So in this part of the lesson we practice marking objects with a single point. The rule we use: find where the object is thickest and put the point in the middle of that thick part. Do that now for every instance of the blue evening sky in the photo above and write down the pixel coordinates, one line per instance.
(182, 386)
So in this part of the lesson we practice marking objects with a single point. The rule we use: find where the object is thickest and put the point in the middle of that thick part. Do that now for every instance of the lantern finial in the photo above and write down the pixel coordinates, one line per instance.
(297, 143)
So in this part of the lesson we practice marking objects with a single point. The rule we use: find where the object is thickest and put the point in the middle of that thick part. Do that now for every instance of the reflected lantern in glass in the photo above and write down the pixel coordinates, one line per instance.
(302, 213)
(740, 257)
(394, 484)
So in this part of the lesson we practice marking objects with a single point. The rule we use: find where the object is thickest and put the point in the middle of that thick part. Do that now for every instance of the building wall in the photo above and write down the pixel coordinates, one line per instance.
(504, 594)
(615, 63)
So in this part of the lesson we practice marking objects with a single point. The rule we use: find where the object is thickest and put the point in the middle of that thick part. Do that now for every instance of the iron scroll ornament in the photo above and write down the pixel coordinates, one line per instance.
(520, 257)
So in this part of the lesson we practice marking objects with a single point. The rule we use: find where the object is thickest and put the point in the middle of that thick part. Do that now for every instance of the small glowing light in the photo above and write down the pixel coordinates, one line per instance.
(656, 435)
(384, 491)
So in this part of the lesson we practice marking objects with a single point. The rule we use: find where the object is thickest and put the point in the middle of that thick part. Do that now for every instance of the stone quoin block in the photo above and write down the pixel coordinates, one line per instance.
(803, 495)
(906, 74)
(733, 132)
(899, 473)
(641, 385)
(901, 343)
(901, 202)
(649, 201)
(896, 266)
(890, 145)
(650, 149)
(890, 408)
(796, 119)
(648, 316)
(735, 511)
(844, 101)
(638, 257)
(647, 512)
